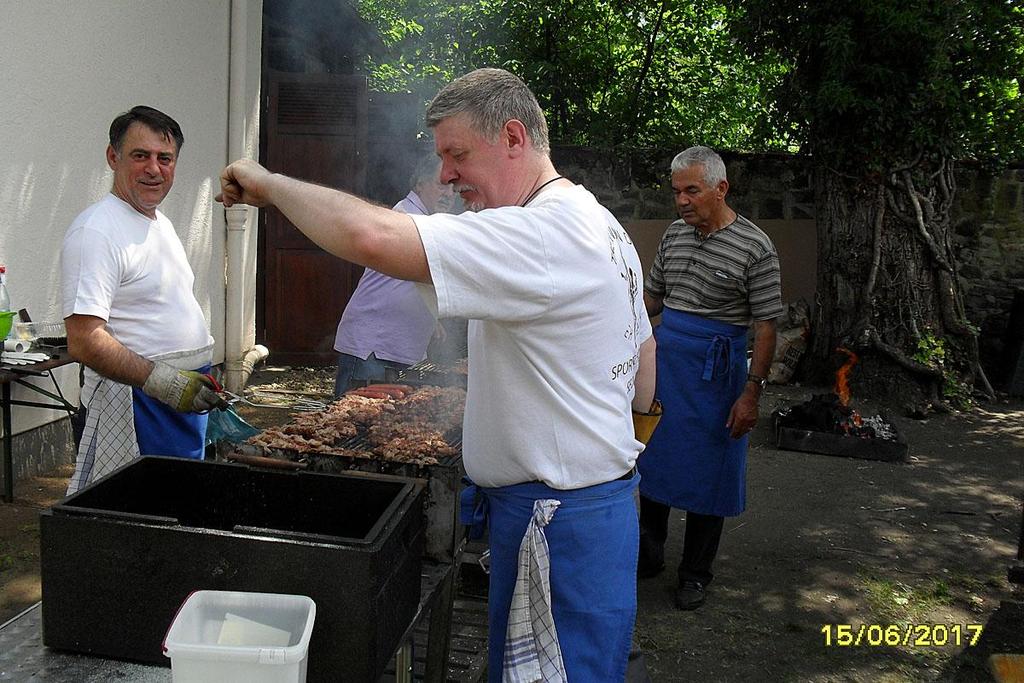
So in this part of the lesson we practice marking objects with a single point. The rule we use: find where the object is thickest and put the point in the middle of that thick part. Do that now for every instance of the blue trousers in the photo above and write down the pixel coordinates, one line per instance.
(353, 369)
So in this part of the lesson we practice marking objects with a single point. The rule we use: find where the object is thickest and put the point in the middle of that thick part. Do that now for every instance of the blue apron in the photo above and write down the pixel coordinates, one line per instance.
(691, 463)
(162, 430)
(593, 538)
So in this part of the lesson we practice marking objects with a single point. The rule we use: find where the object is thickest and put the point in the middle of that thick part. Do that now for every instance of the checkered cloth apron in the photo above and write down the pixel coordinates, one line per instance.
(108, 440)
(532, 652)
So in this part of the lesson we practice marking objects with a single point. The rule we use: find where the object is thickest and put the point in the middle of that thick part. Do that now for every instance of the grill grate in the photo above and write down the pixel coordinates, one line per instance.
(354, 452)
(359, 442)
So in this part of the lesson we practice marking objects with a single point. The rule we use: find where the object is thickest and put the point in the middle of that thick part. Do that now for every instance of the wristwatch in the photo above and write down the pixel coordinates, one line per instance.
(759, 381)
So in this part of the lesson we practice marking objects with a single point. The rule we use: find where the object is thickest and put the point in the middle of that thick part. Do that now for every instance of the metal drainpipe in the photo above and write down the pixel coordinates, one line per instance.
(236, 218)
(238, 360)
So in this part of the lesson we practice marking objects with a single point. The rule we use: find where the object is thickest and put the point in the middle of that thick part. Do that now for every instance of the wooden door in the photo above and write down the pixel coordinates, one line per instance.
(315, 129)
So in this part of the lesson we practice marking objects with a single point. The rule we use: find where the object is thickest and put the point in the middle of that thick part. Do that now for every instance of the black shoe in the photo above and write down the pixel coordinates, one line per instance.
(690, 595)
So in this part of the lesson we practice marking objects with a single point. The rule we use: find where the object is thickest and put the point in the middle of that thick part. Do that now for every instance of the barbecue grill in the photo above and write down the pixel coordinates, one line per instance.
(825, 425)
(443, 480)
(443, 542)
(428, 373)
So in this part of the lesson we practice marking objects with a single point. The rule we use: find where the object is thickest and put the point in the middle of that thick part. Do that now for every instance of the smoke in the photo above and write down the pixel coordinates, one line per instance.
(329, 37)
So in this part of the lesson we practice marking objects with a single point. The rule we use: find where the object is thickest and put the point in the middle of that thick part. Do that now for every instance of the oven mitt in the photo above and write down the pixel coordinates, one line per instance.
(644, 423)
(184, 390)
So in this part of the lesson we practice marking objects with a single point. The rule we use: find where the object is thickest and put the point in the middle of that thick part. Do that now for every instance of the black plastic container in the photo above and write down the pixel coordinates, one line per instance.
(443, 534)
(120, 556)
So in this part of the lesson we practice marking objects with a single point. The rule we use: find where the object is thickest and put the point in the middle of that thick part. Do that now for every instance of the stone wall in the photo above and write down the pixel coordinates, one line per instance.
(635, 185)
(988, 226)
(988, 218)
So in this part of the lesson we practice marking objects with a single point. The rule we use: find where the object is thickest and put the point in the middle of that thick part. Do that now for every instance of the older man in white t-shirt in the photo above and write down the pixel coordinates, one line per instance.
(560, 349)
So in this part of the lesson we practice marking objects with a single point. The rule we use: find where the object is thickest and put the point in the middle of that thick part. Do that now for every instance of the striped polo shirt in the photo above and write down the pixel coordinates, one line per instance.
(731, 276)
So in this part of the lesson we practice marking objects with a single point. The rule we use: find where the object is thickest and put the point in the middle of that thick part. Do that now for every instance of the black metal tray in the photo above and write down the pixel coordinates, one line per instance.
(825, 443)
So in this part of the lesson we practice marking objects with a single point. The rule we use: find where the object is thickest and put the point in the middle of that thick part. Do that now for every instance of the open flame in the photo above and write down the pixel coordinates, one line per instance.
(852, 419)
(831, 413)
(842, 388)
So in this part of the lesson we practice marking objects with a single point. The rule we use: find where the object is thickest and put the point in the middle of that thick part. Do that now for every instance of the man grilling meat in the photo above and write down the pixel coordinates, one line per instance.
(385, 323)
(560, 349)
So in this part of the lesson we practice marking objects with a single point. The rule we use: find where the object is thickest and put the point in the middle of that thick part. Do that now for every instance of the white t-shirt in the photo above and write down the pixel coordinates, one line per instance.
(554, 296)
(131, 270)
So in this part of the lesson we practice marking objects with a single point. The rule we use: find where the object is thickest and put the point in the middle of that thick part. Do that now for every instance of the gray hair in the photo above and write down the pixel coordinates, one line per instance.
(491, 97)
(706, 158)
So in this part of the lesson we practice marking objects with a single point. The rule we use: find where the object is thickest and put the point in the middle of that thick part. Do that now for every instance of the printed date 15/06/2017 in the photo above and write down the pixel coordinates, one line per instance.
(905, 635)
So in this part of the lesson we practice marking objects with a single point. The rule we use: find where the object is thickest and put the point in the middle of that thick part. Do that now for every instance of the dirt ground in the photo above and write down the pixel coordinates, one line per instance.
(828, 541)
(19, 539)
(825, 542)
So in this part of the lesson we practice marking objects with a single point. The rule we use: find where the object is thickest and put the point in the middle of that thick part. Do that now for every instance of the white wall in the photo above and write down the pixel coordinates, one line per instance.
(67, 67)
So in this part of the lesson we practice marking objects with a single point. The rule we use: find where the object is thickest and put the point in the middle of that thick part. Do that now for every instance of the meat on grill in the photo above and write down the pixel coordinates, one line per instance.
(410, 429)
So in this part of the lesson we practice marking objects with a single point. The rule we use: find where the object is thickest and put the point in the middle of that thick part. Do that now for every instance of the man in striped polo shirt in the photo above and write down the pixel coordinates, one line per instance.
(715, 275)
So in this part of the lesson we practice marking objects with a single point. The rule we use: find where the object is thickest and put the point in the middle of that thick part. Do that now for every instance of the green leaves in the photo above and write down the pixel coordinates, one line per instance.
(607, 72)
(856, 82)
(873, 82)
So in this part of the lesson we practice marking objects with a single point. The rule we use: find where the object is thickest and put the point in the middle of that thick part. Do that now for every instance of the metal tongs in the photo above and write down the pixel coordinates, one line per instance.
(302, 405)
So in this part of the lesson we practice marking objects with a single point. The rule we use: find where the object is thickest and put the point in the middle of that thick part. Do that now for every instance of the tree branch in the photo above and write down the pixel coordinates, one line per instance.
(902, 359)
(894, 207)
(867, 297)
(912, 165)
(986, 387)
(922, 228)
(634, 109)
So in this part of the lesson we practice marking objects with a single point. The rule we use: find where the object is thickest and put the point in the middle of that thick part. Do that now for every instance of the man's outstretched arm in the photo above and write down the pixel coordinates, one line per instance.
(340, 223)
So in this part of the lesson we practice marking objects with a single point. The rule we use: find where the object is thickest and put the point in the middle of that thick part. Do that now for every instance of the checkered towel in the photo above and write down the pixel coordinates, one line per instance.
(532, 652)
(108, 440)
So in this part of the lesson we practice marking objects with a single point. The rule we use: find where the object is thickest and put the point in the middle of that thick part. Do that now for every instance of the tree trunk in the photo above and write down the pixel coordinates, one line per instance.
(887, 281)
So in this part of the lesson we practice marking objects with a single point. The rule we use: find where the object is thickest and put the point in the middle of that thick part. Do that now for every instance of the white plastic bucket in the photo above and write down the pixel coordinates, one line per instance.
(232, 636)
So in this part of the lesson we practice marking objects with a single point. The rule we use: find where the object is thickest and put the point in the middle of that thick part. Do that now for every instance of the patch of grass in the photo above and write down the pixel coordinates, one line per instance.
(977, 584)
(997, 581)
(898, 602)
(653, 639)
(6, 561)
